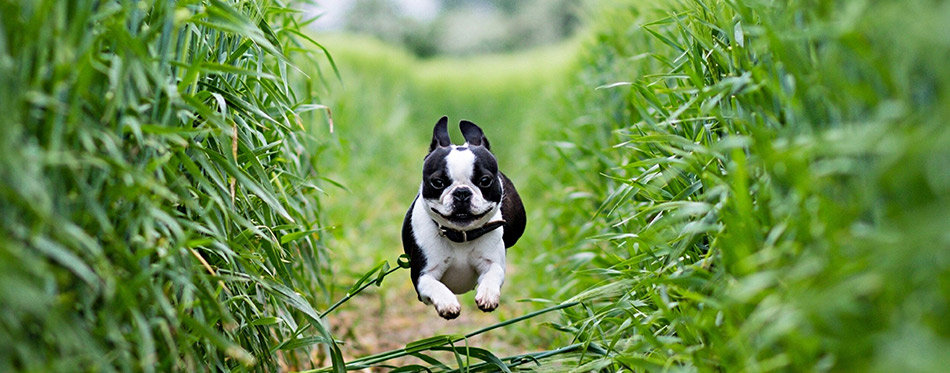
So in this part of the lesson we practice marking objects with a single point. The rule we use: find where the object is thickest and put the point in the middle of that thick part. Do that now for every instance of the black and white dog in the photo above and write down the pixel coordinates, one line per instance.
(458, 229)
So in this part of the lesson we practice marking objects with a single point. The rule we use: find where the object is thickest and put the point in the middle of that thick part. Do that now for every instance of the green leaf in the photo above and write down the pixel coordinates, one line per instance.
(366, 276)
(293, 236)
(296, 343)
(478, 353)
(271, 320)
(294, 300)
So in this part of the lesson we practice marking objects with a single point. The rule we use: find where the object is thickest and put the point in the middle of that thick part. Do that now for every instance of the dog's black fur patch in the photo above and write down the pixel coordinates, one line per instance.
(512, 210)
(436, 168)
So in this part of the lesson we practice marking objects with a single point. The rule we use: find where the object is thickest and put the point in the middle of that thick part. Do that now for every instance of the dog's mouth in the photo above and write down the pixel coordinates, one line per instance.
(459, 216)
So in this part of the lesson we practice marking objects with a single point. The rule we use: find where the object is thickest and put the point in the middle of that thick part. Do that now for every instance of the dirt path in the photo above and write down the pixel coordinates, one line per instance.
(387, 318)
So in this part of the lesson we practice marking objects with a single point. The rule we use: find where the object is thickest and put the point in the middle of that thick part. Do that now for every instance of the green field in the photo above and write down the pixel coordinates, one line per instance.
(732, 185)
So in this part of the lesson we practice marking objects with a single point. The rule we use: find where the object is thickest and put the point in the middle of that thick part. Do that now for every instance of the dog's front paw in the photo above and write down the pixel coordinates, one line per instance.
(449, 311)
(487, 300)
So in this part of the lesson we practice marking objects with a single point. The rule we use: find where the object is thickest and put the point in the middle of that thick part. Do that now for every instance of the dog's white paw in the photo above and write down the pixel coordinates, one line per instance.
(487, 298)
(435, 293)
(449, 310)
(446, 304)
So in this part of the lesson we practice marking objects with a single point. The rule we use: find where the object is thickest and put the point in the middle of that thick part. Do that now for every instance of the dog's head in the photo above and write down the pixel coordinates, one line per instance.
(461, 185)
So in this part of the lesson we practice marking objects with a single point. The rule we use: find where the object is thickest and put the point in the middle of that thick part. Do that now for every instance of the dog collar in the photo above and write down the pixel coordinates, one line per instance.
(469, 235)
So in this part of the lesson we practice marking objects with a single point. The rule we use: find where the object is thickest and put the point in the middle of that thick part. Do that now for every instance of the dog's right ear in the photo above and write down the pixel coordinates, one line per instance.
(440, 134)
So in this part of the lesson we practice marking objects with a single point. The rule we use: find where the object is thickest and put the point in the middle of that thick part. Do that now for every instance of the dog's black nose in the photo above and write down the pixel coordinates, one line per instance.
(462, 195)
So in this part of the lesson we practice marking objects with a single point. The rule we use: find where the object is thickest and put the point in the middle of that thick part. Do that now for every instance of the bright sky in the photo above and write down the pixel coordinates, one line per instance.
(334, 11)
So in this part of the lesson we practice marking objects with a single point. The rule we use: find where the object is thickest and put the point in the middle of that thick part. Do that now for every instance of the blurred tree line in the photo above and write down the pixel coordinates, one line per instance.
(464, 27)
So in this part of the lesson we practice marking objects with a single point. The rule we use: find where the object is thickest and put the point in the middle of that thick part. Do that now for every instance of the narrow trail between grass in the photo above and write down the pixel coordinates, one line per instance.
(383, 115)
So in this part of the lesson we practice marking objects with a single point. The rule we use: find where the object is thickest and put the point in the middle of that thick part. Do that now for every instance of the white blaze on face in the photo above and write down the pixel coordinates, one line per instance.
(460, 165)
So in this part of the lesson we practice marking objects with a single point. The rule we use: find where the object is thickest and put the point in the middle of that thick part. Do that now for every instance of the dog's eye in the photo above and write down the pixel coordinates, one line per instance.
(437, 183)
(485, 181)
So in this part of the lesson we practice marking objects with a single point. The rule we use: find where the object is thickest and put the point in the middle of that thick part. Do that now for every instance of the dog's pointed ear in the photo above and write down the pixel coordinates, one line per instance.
(440, 134)
(473, 135)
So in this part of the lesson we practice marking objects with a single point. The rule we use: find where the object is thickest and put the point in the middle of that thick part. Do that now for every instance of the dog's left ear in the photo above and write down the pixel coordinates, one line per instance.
(473, 135)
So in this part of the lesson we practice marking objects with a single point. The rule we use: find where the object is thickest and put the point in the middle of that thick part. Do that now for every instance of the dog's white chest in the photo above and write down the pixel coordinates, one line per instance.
(458, 263)
(460, 277)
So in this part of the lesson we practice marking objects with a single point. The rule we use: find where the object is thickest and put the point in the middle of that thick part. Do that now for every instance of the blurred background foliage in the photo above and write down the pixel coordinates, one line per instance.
(428, 28)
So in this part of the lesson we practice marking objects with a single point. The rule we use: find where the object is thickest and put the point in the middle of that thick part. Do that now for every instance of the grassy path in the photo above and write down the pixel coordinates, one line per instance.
(383, 116)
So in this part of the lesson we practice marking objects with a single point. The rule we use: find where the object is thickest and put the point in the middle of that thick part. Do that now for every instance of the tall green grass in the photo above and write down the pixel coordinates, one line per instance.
(768, 187)
(156, 189)
(735, 185)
